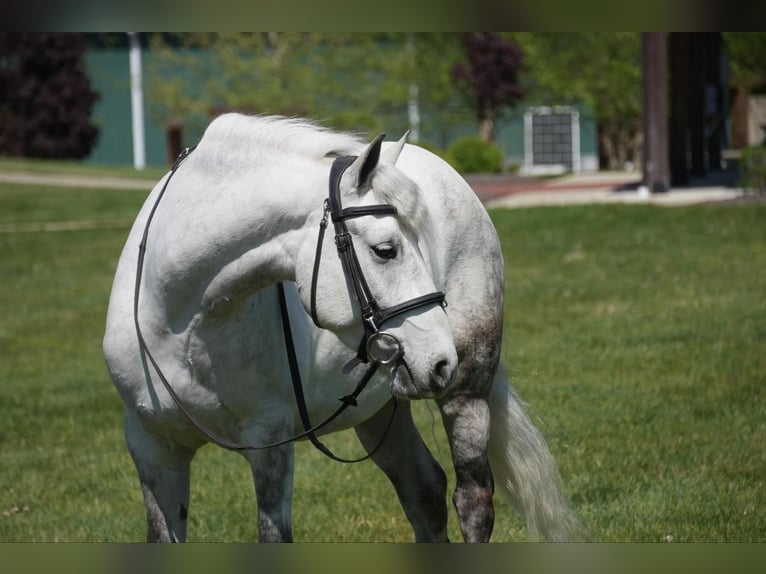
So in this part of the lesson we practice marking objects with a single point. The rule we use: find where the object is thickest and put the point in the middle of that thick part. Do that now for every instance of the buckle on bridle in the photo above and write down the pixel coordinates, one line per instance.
(325, 213)
(369, 322)
(343, 241)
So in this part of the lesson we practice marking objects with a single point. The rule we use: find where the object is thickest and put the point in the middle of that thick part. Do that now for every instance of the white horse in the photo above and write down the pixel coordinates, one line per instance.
(241, 214)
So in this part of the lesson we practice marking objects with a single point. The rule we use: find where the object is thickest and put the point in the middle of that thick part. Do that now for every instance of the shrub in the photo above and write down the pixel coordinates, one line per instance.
(471, 154)
(752, 164)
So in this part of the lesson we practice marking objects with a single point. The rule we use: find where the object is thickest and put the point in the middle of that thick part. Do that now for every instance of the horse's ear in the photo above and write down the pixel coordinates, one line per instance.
(392, 153)
(359, 171)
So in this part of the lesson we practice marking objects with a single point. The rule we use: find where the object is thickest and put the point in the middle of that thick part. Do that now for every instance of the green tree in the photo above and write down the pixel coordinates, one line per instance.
(601, 70)
(747, 58)
(489, 77)
(433, 58)
(345, 80)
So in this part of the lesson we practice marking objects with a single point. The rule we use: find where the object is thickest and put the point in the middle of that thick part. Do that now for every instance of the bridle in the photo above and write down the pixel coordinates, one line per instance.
(380, 346)
(376, 348)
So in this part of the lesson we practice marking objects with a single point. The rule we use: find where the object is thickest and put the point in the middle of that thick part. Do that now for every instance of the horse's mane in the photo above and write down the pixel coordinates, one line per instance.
(235, 134)
(233, 138)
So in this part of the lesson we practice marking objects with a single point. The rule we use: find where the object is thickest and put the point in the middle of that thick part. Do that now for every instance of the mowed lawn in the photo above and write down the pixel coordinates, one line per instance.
(635, 334)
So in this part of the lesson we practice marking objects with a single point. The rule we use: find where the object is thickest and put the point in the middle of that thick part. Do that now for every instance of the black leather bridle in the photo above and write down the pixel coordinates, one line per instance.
(377, 347)
(380, 346)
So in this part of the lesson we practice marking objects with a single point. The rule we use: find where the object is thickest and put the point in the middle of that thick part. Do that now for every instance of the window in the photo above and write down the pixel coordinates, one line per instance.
(551, 140)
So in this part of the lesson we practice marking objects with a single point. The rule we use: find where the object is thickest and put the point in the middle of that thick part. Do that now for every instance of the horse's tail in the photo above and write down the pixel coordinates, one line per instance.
(524, 469)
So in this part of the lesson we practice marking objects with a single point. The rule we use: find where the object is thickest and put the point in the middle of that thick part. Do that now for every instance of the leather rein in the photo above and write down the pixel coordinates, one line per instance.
(373, 318)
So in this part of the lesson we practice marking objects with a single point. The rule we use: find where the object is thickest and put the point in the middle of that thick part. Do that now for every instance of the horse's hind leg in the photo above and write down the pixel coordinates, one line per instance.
(163, 470)
(418, 479)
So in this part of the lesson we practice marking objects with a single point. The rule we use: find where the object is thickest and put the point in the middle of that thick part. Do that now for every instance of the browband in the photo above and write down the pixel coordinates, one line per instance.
(351, 212)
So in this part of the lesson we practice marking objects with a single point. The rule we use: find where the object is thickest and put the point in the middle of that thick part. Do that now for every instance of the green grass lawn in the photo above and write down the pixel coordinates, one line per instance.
(47, 166)
(637, 336)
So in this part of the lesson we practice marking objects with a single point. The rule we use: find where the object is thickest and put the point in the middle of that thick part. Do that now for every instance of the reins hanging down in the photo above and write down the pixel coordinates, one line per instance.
(309, 430)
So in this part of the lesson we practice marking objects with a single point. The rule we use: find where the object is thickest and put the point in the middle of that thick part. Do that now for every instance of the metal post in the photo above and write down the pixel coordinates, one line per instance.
(137, 102)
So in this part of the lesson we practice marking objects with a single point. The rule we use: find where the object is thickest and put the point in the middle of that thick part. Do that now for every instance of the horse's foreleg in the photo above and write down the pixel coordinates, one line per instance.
(466, 420)
(273, 477)
(418, 479)
(163, 470)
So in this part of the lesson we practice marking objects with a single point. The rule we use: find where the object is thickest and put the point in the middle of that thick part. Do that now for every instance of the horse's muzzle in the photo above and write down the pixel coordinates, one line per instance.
(405, 385)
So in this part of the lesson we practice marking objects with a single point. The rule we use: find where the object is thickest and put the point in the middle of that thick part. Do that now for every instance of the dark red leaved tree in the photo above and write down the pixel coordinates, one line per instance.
(490, 77)
(45, 96)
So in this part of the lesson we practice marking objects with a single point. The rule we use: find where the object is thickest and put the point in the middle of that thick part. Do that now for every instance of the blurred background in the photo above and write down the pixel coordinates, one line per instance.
(675, 107)
(635, 334)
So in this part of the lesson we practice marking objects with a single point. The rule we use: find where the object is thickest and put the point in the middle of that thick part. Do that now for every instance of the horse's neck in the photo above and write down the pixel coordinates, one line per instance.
(225, 236)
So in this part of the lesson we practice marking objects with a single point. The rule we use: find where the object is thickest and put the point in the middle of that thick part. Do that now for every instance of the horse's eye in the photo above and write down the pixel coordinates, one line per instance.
(385, 251)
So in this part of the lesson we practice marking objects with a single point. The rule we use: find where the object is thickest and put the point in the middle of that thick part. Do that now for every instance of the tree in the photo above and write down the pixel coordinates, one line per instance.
(433, 58)
(601, 70)
(45, 96)
(490, 77)
(286, 73)
(747, 55)
(348, 81)
(747, 64)
(339, 78)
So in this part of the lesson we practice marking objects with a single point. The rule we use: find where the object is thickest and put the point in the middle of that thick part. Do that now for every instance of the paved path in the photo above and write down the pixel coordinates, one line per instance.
(496, 191)
(602, 187)
(674, 197)
(74, 225)
(69, 180)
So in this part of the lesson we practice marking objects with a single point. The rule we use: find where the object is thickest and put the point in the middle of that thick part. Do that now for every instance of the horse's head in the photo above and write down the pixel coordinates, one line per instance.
(379, 289)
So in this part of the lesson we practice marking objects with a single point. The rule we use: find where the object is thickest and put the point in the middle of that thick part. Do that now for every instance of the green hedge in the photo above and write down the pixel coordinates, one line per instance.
(471, 154)
(753, 169)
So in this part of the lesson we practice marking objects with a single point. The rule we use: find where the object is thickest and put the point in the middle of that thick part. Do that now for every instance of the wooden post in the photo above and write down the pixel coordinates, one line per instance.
(655, 114)
(173, 140)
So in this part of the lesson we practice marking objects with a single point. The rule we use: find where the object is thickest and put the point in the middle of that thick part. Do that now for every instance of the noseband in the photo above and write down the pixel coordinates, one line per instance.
(380, 346)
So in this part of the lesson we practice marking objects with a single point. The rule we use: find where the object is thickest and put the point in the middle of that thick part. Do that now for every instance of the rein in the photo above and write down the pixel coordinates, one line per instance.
(309, 430)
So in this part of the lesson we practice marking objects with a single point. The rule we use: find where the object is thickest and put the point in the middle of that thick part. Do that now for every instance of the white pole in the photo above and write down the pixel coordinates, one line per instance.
(576, 157)
(414, 114)
(137, 102)
(413, 107)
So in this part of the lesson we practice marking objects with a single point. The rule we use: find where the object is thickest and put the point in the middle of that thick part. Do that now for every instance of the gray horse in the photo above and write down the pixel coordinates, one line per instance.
(241, 214)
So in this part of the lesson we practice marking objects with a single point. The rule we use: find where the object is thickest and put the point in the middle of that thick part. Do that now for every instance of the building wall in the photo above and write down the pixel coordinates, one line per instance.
(109, 72)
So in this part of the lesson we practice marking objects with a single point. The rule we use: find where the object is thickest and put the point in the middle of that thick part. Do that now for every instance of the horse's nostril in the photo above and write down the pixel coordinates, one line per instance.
(442, 374)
